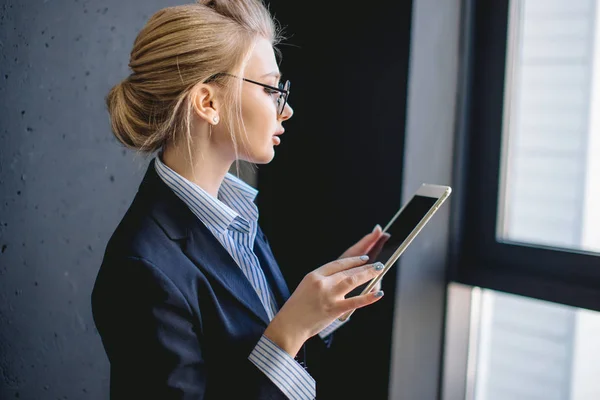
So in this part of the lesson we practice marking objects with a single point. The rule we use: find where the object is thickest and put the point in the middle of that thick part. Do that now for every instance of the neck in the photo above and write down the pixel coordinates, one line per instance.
(208, 169)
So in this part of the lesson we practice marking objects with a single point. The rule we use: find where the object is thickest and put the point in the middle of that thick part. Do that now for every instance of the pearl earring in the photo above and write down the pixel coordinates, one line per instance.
(216, 119)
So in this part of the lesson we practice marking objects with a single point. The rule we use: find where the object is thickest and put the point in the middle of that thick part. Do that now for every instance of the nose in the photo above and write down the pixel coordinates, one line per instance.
(287, 113)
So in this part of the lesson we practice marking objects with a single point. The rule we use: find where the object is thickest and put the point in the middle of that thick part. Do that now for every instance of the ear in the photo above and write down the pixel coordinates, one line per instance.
(205, 103)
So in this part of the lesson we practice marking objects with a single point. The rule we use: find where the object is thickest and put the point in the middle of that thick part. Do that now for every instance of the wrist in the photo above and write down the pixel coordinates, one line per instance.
(286, 337)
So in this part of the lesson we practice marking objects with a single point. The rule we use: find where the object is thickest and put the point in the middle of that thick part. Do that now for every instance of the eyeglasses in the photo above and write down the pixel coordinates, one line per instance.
(283, 90)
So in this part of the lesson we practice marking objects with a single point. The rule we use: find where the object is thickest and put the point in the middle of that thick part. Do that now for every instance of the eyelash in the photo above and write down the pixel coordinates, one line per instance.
(271, 91)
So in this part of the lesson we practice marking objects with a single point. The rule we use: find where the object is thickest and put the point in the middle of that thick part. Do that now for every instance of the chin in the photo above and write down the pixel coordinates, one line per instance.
(263, 157)
(267, 158)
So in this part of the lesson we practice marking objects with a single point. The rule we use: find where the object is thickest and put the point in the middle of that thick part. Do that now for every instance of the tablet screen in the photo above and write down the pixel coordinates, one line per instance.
(400, 228)
(403, 225)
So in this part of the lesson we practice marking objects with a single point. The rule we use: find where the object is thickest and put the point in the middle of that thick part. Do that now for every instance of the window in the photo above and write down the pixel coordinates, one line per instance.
(532, 349)
(550, 177)
(530, 220)
(530, 231)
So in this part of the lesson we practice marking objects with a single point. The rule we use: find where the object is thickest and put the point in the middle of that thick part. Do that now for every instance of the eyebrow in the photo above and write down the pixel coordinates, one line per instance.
(276, 74)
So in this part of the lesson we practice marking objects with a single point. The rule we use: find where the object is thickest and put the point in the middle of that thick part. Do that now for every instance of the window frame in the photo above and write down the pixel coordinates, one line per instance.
(563, 276)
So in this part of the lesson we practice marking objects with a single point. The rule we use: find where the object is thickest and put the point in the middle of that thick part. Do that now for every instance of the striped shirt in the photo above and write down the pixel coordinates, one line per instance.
(232, 218)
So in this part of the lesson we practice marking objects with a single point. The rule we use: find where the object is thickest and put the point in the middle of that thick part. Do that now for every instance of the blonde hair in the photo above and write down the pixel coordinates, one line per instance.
(178, 48)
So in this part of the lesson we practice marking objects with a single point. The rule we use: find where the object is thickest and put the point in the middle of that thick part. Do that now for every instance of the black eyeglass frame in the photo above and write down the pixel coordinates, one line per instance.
(283, 92)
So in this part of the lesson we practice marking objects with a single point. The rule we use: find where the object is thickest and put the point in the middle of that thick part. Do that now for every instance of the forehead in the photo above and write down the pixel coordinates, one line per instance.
(262, 60)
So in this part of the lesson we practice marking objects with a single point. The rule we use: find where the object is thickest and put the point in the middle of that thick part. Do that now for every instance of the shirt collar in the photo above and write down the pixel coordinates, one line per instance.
(240, 196)
(235, 200)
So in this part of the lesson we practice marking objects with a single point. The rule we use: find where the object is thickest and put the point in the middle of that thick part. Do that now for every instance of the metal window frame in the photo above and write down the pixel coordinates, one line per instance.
(479, 262)
(478, 259)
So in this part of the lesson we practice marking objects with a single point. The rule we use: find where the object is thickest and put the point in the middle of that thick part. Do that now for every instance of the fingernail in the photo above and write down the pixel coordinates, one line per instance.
(379, 294)
(376, 226)
(378, 266)
(364, 258)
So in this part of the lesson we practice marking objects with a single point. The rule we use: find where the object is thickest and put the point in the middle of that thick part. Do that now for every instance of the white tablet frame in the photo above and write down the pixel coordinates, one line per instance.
(439, 192)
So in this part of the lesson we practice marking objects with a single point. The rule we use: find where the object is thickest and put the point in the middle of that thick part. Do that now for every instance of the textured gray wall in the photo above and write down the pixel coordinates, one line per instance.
(64, 185)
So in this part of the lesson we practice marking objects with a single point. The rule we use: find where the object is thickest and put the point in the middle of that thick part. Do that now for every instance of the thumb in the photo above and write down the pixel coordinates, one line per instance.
(377, 229)
(369, 239)
(365, 244)
(372, 238)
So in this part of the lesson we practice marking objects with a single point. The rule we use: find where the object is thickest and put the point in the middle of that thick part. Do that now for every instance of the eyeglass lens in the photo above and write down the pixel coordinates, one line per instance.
(282, 99)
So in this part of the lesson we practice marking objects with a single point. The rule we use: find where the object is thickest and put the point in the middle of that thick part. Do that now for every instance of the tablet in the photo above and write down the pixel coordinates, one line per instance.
(403, 228)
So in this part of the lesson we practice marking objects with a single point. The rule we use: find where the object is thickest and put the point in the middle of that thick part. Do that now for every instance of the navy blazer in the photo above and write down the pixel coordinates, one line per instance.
(177, 316)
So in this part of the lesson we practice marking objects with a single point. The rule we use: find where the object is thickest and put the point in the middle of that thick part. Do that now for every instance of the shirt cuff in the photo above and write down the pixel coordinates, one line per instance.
(332, 327)
(283, 370)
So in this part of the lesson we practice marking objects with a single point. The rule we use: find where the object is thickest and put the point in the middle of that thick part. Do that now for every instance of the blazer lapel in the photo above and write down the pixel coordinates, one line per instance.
(271, 269)
(210, 256)
(198, 243)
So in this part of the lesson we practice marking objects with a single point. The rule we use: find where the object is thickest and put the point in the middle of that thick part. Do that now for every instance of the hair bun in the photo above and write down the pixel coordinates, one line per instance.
(244, 12)
(129, 117)
(206, 3)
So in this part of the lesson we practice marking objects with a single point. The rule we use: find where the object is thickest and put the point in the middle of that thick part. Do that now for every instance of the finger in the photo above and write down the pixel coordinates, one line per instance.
(349, 279)
(342, 264)
(377, 287)
(352, 303)
(376, 249)
(364, 244)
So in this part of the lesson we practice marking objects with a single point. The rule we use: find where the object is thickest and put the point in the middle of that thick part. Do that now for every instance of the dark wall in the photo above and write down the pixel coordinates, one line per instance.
(338, 171)
(64, 185)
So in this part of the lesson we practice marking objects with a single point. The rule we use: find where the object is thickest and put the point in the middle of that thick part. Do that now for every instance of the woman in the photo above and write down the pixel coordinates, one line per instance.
(189, 301)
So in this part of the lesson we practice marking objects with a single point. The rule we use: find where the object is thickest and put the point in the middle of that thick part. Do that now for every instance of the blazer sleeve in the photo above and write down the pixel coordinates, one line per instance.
(152, 339)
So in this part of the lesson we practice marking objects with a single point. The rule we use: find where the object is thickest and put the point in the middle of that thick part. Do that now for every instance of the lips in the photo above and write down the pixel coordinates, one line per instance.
(276, 139)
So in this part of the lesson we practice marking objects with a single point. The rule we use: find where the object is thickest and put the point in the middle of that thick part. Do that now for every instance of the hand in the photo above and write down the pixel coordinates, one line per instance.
(377, 287)
(373, 243)
(319, 300)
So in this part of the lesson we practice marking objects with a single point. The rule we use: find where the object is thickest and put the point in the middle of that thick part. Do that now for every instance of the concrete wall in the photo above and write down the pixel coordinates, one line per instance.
(64, 185)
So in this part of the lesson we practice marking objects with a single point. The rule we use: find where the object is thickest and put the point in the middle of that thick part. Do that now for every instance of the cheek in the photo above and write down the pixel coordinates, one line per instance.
(259, 118)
